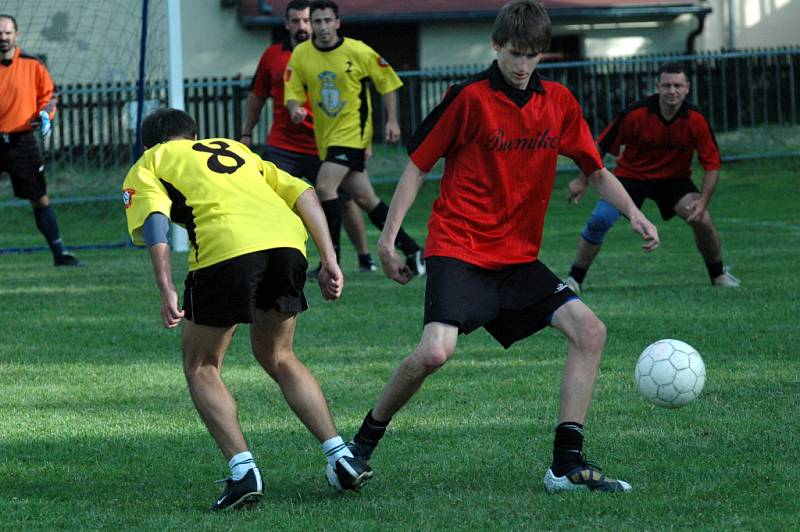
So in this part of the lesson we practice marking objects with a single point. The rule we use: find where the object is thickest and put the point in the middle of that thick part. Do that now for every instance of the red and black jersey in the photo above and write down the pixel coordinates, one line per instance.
(268, 82)
(26, 89)
(500, 146)
(655, 148)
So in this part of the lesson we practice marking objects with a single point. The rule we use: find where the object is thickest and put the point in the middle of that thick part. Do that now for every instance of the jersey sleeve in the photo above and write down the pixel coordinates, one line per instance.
(262, 81)
(288, 187)
(707, 148)
(380, 71)
(444, 128)
(611, 139)
(143, 194)
(576, 139)
(293, 84)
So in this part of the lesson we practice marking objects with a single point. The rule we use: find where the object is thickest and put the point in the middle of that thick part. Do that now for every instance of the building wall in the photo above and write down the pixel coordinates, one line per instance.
(756, 24)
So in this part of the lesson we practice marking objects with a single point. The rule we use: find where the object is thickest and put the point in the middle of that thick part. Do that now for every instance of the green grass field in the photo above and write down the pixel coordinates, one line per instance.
(97, 430)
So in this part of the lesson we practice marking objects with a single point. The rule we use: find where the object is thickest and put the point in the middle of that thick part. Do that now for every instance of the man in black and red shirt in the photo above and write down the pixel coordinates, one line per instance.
(291, 147)
(655, 140)
(501, 133)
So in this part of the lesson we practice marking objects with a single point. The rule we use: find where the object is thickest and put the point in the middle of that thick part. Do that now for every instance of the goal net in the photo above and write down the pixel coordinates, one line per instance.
(92, 51)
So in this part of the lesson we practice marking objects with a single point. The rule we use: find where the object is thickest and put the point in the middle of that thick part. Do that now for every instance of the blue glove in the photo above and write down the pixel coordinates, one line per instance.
(45, 125)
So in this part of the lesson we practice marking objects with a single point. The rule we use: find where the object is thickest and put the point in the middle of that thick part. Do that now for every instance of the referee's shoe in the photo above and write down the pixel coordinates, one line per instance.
(246, 491)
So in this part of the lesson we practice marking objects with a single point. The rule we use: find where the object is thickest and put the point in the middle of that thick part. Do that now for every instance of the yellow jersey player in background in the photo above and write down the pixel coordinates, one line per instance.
(333, 72)
(245, 220)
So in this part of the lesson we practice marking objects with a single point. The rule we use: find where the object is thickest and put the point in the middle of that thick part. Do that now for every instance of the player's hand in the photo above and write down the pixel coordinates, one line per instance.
(171, 315)
(44, 123)
(299, 114)
(246, 139)
(392, 132)
(331, 281)
(368, 153)
(642, 225)
(696, 210)
(393, 264)
(577, 188)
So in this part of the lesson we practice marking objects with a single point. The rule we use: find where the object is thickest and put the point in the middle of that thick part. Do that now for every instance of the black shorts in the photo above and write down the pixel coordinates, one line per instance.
(665, 192)
(353, 158)
(228, 293)
(21, 158)
(299, 165)
(511, 304)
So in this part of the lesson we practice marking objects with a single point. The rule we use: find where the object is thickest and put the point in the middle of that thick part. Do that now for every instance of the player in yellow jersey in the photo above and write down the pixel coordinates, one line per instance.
(333, 71)
(245, 220)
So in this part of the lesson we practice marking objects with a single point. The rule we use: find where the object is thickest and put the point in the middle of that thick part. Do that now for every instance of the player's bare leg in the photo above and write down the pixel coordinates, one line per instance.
(203, 351)
(586, 336)
(354, 226)
(707, 240)
(272, 339)
(329, 178)
(358, 185)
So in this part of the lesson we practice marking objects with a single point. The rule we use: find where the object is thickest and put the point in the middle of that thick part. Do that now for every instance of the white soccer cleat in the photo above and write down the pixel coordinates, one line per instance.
(586, 477)
(573, 285)
(726, 279)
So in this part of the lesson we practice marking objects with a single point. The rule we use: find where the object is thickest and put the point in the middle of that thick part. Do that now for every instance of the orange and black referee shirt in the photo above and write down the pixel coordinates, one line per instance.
(26, 88)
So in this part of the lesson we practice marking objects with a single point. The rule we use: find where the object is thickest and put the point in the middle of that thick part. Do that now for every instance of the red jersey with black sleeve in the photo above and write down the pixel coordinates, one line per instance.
(268, 82)
(655, 148)
(500, 146)
(26, 89)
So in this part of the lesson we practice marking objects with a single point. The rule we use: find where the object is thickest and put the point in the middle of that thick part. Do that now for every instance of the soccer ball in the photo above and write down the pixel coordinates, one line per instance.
(670, 373)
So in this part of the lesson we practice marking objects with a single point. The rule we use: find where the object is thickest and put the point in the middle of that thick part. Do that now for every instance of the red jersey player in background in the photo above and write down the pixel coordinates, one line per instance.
(655, 140)
(291, 147)
(501, 133)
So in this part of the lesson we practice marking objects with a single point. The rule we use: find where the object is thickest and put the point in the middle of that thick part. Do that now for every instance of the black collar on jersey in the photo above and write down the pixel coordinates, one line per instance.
(287, 44)
(654, 107)
(334, 47)
(519, 96)
(6, 62)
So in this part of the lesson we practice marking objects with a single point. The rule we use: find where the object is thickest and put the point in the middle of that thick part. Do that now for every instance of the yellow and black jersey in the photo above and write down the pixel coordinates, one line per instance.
(335, 81)
(230, 201)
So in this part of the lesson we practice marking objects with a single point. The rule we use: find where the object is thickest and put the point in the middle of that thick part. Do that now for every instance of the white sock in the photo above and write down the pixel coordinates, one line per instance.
(240, 464)
(334, 449)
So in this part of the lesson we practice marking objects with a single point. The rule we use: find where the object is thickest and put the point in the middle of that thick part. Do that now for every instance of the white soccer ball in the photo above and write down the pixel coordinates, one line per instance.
(670, 373)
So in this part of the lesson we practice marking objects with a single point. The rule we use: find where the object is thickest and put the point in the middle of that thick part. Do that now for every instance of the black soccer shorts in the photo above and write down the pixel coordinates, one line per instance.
(21, 158)
(511, 304)
(229, 292)
(666, 193)
(299, 165)
(353, 158)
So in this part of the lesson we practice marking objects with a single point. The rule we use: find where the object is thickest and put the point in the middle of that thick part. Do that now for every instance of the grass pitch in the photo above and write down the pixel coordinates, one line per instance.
(97, 429)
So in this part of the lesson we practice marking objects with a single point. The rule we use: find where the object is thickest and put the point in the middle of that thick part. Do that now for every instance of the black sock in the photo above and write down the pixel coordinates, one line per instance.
(567, 447)
(333, 214)
(371, 431)
(404, 243)
(714, 269)
(365, 260)
(578, 273)
(48, 225)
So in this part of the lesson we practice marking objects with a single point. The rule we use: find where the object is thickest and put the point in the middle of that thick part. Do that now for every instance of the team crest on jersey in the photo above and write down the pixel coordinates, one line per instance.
(287, 75)
(332, 103)
(127, 197)
(383, 63)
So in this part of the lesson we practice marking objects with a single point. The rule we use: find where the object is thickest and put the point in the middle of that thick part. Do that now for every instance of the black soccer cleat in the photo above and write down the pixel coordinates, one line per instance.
(585, 476)
(360, 450)
(246, 492)
(65, 259)
(350, 473)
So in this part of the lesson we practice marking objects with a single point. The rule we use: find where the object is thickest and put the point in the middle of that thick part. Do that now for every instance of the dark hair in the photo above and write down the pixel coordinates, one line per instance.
(523, 23)
(297, 5)
(12, 19)
(673, 67)
(325, 4)
(167, 124)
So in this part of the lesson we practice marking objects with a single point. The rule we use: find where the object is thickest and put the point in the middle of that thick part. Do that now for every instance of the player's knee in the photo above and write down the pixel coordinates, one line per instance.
(600, 221)
(434, 355)
(592, 335)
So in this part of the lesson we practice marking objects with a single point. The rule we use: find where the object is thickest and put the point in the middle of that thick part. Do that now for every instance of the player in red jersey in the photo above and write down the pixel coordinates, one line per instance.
(655, 140)
(291, 147)
(501, 133)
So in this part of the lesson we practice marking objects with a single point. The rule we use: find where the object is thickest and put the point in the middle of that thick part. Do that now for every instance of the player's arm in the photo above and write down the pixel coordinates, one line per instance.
(254, 105)
(609, 187)
(331, 280)
(156, 231)
(392, 132)
(404, 195)
(578, 186)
